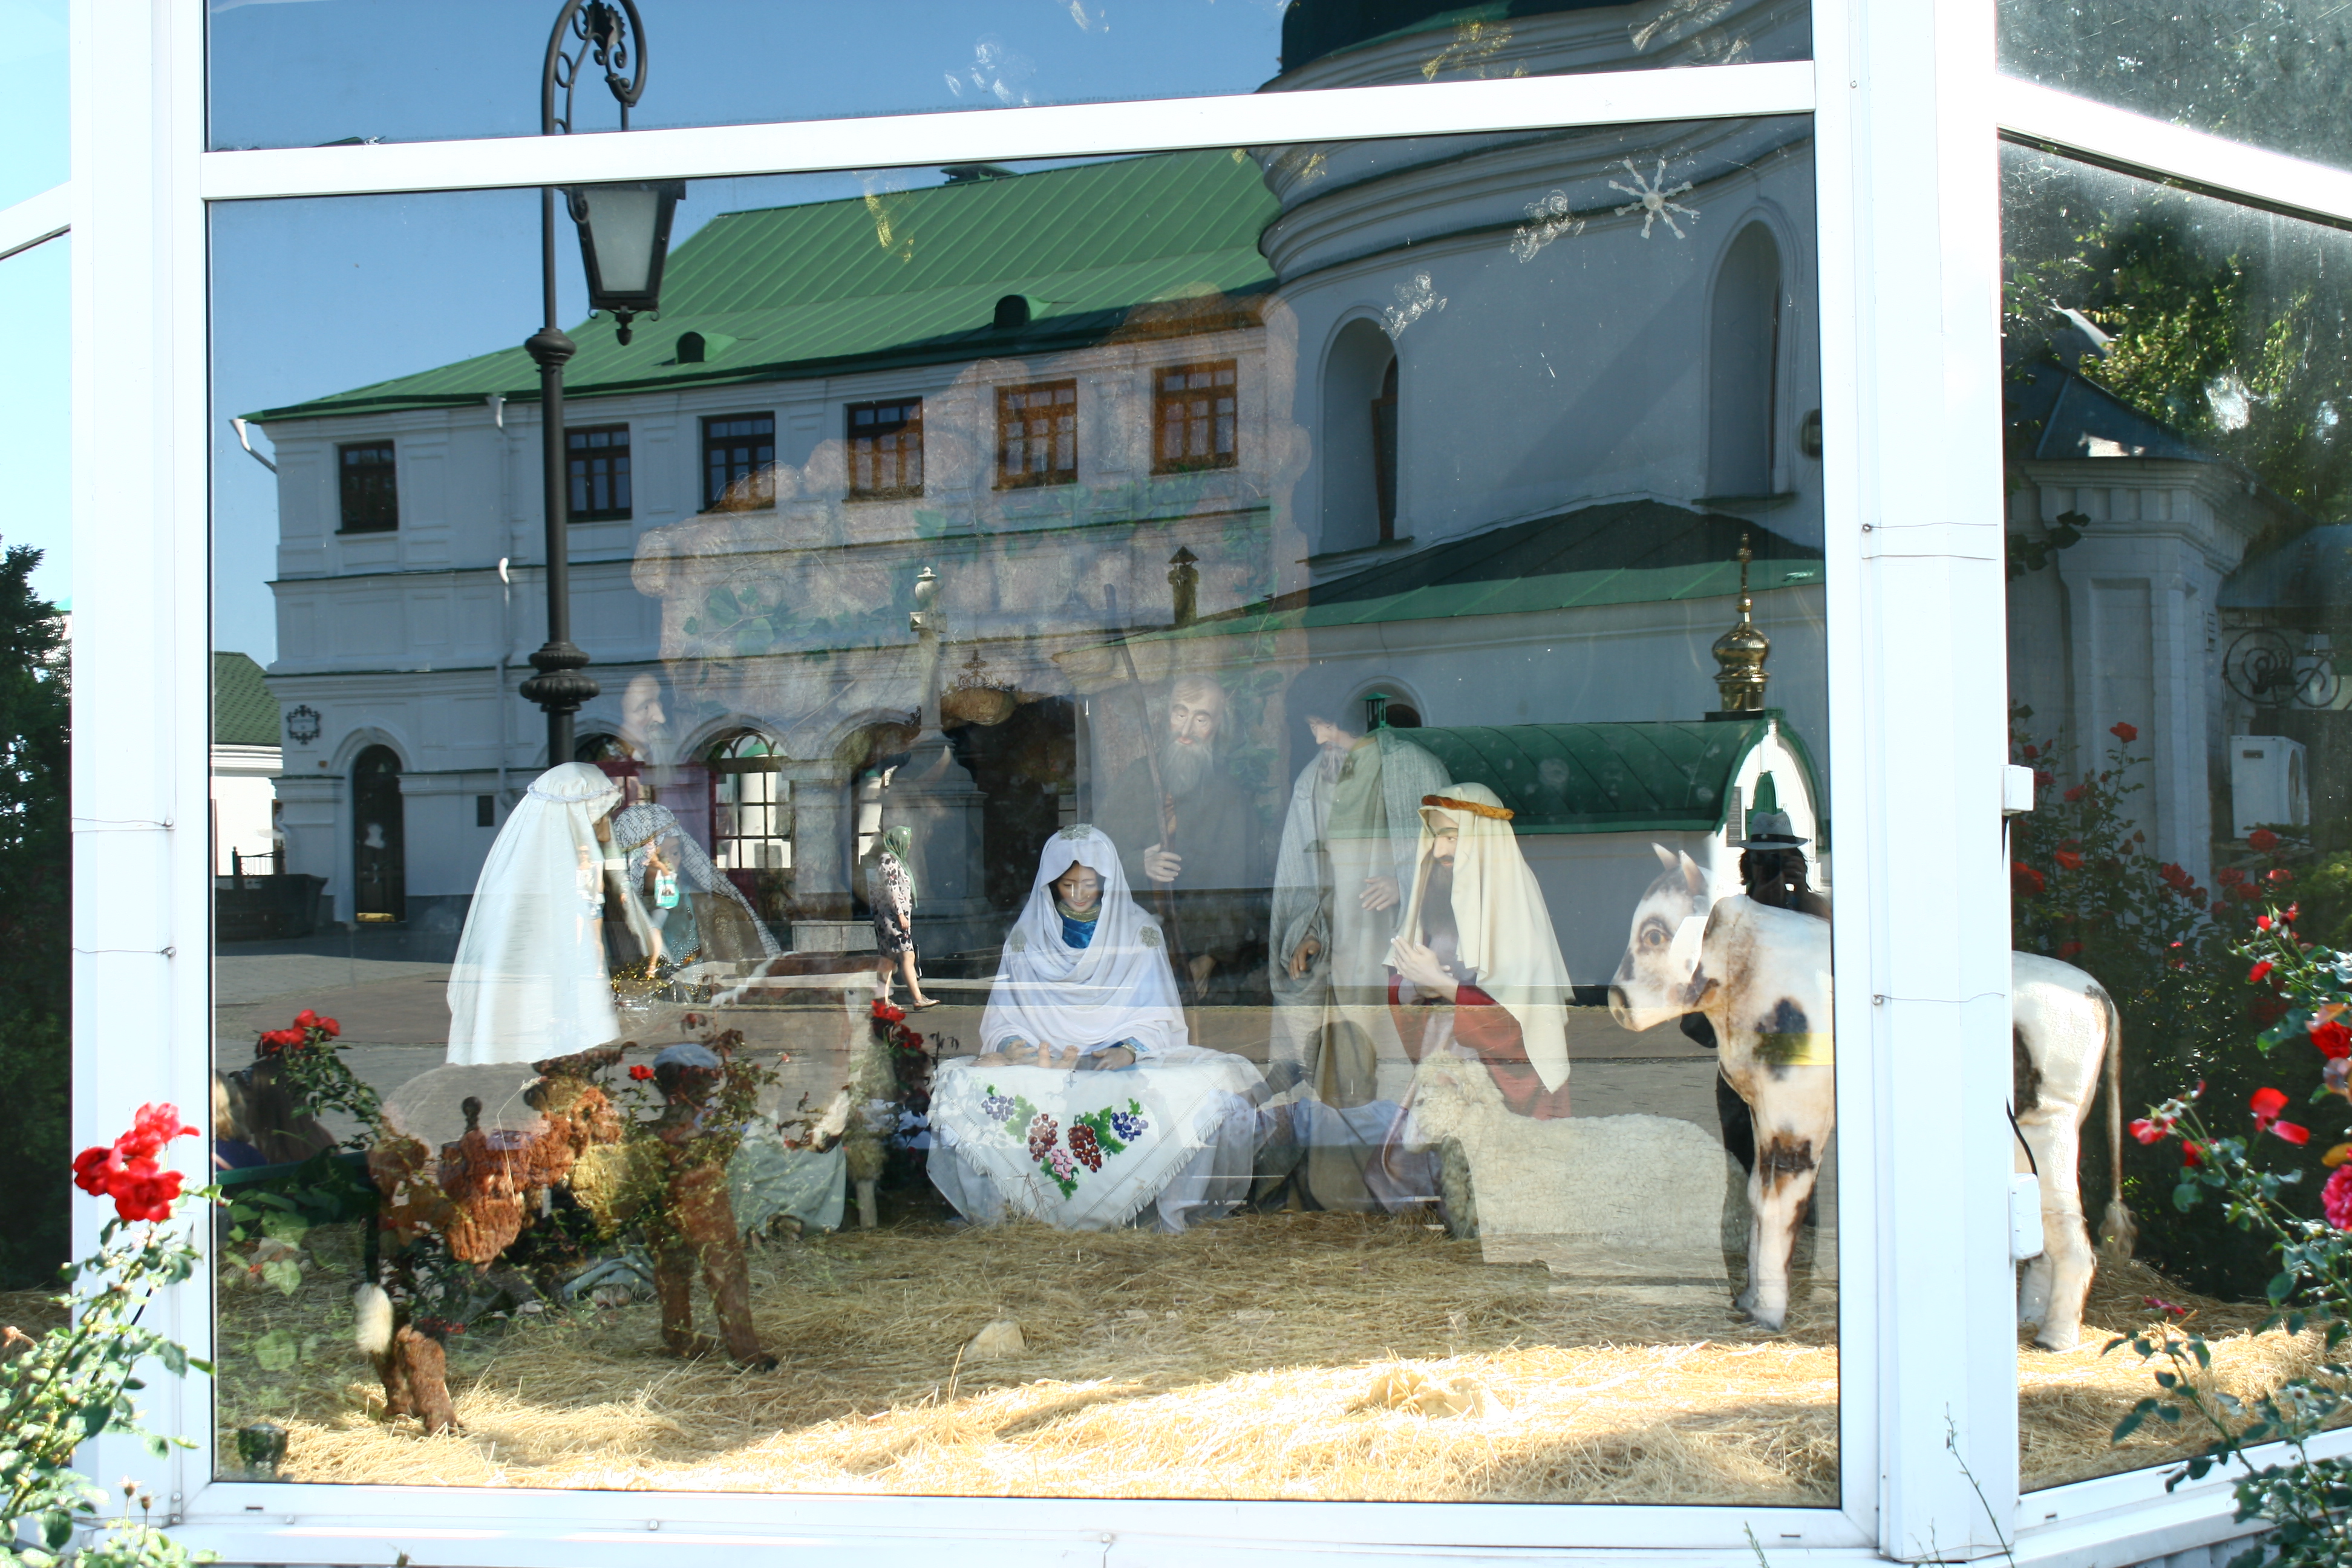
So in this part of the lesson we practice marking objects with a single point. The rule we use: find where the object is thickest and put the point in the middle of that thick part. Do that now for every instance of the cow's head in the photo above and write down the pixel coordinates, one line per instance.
(1658, 978)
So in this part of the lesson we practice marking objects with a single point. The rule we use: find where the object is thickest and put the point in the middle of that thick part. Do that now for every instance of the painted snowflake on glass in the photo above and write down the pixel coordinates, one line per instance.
(1548, 218)
(1654, 199)
(1415, 300)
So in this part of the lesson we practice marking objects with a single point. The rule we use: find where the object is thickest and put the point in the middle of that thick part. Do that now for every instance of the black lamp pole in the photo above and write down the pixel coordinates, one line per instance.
(614, 33)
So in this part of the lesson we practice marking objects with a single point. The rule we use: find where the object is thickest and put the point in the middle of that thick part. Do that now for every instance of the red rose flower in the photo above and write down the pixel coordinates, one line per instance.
(2148, 1132)
(2075, 794)
(640, 1072)
(2072, 859)
(2031, 752)
(305, 1018)
(2336, 1198)
(2254, 975)
(2189, 1157)
(2281, 876)
(2026, 879)
(2261, 841)
(328, 1028)
(2069, 949)
(2125, 732)
(126, 1171)
(2229, 876)
(2332, 1039)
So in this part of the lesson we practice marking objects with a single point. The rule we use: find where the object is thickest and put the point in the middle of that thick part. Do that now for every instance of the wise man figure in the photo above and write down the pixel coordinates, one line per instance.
(1195, 833)
(1478, 969)
(1348, 847)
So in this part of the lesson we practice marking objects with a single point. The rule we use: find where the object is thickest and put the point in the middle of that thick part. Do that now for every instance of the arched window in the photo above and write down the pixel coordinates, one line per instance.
(751, 809)
(1743, 358)
(1360, 440)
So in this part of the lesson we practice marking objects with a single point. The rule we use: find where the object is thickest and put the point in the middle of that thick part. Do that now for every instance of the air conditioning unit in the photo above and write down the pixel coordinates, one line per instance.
(2268, 784)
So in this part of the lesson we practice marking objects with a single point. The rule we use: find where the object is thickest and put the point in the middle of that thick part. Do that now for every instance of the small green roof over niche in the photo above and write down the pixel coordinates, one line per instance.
(899, 277)
(1605, 778)
(244, 713)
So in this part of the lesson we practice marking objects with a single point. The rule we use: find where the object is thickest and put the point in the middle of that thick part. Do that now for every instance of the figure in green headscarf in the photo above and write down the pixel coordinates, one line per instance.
(890, 889)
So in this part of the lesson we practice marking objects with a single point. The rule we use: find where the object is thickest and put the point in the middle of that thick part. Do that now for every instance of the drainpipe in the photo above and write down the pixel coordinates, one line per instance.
(505, 639)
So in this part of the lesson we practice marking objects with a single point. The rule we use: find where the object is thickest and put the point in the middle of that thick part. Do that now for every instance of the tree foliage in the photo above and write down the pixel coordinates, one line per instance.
(36, 904)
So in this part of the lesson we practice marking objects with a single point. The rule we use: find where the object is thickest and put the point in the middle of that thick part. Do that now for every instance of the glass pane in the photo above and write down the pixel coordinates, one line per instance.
(33, 111)
(1328, 751)
(2271, 73)
(293, 76)
(2175, 369)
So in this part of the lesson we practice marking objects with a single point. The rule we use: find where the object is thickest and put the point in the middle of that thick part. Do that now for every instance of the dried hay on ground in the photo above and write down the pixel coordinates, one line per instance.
(2068, 1404)
(1241, 1360)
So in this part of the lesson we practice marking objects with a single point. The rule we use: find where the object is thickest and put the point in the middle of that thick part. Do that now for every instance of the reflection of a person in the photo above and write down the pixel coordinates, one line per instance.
(1772, 871)
(1213, 828)
(1085, 981)
(890, 893)
(1477, 941)
(1347, 850)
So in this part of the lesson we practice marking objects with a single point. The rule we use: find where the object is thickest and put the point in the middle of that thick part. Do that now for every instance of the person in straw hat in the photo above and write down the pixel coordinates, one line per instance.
(1478, 966)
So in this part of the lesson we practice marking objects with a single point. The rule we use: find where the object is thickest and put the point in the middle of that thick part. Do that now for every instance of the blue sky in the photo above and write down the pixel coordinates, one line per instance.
(315, 297)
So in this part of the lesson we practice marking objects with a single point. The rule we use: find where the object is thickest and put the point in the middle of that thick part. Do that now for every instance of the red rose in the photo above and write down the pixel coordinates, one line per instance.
(2281, 876)
(2332, 1040)
(2075, 794)
(2261, 841)
(2027, 879)
(2189, 1154)
(2069, 949)
(2125, 732)
(2072, 859)
(2031, 754)
(2336, 1198)
(2148, 1132)
(640, 1072)
(328, 1028)
(2229, 876)
(305, 1018)
(2245, 892)
(2254, 975)
(2042, 780)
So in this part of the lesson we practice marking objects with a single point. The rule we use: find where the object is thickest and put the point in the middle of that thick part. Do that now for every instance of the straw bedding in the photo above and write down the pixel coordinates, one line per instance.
(1273, 1356)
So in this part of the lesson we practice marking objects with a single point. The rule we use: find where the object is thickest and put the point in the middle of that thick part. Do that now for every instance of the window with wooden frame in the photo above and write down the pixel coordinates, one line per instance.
(1037, 435)
(885, 449)
(739, 462)
(598, 462)
(1196, 412)
(370, 492)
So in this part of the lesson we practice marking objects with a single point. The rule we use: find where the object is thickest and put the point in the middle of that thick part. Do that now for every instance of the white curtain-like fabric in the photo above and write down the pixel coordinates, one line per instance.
(530, 980)
(1503, 924)
(1118, 987)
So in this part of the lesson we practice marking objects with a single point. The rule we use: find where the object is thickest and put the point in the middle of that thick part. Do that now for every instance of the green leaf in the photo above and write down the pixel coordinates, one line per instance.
(2129, 1424)
(284, 1273)
(274, 1350)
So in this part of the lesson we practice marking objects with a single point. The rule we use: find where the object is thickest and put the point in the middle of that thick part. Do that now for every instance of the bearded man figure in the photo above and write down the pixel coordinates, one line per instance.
(1195, 836)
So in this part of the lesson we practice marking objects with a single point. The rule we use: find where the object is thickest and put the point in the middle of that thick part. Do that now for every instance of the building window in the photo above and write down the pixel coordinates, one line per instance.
(885, 449)
(600, 472)
(1384, 452)
(1743, 368)
(1037, 435)
(751, 814)
(739, 462)
(1195, 410)
(370, 498)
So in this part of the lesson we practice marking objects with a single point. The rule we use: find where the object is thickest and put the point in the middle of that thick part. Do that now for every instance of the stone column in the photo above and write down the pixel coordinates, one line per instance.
(821, 860)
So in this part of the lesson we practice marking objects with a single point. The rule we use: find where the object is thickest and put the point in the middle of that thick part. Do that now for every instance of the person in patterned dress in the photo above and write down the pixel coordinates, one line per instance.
(890, 890)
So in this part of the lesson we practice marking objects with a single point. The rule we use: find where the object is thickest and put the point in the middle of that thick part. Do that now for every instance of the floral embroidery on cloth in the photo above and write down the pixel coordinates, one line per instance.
(1092, 1137)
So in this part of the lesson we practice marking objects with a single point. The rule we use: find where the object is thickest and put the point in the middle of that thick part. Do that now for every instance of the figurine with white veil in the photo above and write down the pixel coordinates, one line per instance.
(1089, 1106)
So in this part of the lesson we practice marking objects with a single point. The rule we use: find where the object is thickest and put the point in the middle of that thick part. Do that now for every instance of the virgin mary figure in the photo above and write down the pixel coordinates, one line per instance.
(529, 980)
(1089, 1106)
(1085, 980)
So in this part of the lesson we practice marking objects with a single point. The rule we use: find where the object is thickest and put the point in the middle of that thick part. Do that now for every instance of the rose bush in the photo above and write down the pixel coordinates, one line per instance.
(74, 1383)
(2085, 889)
(2306, 1501)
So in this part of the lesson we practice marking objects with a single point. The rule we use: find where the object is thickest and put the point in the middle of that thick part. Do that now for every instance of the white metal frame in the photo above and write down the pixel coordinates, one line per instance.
(1908, 108)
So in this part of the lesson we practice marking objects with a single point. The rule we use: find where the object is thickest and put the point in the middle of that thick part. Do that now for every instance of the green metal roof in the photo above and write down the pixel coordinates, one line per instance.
(909, 277)
(244, 713)
(1605, 778)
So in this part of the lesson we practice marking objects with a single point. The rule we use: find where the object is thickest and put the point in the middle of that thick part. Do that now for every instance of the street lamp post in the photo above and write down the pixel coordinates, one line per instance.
(623, 237)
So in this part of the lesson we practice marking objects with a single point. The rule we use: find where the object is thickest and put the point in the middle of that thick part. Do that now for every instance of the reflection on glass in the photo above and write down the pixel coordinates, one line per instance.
(1174, 734)
(295, 76)
(2174, 367)
(2271, 73)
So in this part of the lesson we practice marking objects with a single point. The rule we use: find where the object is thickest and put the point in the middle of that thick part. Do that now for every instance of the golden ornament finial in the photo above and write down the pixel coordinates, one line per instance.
(1740, 653)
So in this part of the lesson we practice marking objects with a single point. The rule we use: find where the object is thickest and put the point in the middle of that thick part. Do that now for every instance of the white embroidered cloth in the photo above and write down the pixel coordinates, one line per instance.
(1088, 1150)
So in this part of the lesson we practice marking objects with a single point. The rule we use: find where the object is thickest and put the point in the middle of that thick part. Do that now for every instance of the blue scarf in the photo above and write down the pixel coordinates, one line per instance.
(1078, 930)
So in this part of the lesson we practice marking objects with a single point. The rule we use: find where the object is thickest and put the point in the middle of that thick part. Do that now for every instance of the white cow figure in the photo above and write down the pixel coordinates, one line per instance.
(1760, 976)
